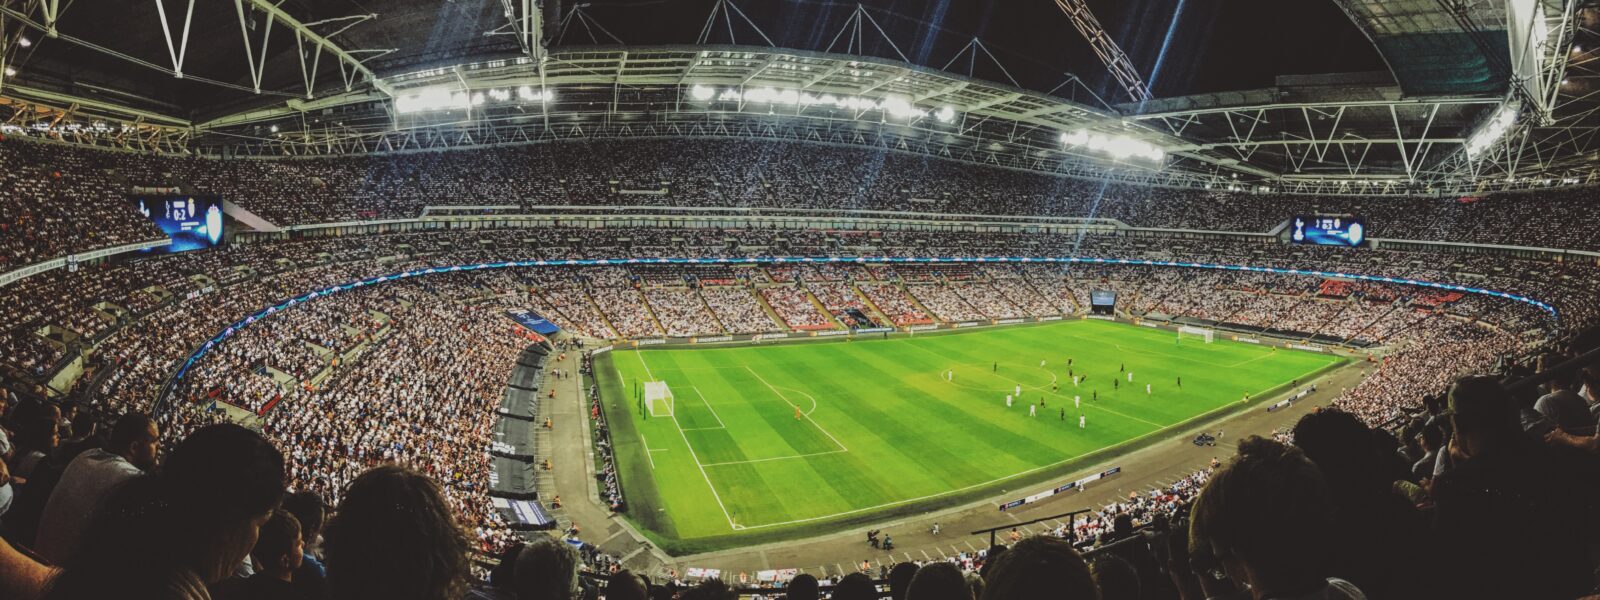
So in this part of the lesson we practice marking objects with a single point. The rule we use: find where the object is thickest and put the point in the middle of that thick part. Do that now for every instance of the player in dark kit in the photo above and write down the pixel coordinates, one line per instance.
(1180, 382)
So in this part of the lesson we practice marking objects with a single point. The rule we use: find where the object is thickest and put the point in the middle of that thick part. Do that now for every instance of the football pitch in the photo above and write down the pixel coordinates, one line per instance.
(792, 440)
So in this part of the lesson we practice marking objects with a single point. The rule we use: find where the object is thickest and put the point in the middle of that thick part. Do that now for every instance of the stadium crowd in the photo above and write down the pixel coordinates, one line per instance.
(90, 186)
(378, 403)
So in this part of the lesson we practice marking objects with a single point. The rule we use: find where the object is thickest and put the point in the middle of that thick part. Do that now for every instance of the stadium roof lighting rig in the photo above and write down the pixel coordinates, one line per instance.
(1117, 146)
(893, 106)
(1492, 130)
(438, 99)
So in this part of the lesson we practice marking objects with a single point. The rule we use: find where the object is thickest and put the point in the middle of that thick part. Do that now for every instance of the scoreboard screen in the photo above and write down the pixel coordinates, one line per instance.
(1328, 230)
(1103, 297)
(191, 222)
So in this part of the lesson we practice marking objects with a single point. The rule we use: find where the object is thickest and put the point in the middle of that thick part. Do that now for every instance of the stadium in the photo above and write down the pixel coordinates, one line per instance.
(711, 299)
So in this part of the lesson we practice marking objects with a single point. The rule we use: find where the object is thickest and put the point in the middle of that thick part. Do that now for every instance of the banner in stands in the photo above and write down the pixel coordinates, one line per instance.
(1063, 488)
(533, 321)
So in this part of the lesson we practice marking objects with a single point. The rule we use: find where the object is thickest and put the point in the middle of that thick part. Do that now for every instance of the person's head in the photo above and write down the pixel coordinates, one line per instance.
(1265, 516)
(1037, 568)
(900, 579)
(394, 537)
(994, 554)
(1558, 384)
(223, 481)
(710, 589)
(1341, 446)
(625, 585)
(84, 424)
(938, 581)
(547, 569)
(135, 438)
(1482, 415)
(1116, 577)
(855, 586)
(802, 587)
(38, 434)
(279, 549)
(1432, 437)
(309, 511)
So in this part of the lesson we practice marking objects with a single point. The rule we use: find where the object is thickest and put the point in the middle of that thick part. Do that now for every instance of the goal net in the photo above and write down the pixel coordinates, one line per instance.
(1207, 334)
(658, 398)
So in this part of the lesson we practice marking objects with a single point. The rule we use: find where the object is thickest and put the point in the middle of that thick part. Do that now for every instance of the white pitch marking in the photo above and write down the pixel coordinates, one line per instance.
(785, 399)
(692, 455)
(708, 407)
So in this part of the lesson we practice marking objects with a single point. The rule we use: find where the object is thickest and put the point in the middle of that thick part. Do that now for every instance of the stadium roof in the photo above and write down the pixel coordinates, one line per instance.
(304, 77)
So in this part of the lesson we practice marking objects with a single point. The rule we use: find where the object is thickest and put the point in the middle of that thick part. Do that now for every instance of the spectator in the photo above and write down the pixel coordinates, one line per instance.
(310, 579)
(1566, 408)
(547, 569)
(625, 585)
(394, 538)
(1498, 471)
(1376, 538)
(170, 536)
(855, 586)
(1265, 517)
(277, 555)
(1432, 441)
(1038, 568)
(88, 480)
(900, 578)
(1115, 577)
(802, 587)
(937, 581)
(710, 589)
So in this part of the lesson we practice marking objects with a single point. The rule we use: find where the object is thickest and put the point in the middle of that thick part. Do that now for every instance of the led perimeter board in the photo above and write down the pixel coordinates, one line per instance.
(1328, 230)
(191, 222)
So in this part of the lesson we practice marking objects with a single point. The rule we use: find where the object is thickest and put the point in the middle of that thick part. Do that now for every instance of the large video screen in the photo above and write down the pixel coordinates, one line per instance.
(191, 222)
(1103, 297)
(1328, 230)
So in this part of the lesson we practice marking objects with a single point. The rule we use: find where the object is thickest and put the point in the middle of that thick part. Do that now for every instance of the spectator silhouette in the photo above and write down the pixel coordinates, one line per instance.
(394, 538)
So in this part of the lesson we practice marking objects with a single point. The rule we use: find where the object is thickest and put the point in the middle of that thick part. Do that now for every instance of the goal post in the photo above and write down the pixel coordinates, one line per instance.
(1209, 335)
(658, 398)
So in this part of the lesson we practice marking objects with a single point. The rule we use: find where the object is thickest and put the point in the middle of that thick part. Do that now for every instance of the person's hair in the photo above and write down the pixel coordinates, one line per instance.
(393, 537)
(1342, 447)
(900, 579)
(855, 586)
(1433, 435)
(225, 473)
(938, 581)
(309, 511)
(802, 587)
(219, 480)
(994, 554)
(626, 585)
(1040, 567)
(1269, 507)
(1482, 407)
(277, 538)
(1117, 578)
(83, 423)
(710, 589)
(36, 434)
(130, 428)
(547, 569)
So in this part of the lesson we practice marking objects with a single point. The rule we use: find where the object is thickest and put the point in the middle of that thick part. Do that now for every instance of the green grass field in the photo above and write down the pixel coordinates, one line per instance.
(879, 430)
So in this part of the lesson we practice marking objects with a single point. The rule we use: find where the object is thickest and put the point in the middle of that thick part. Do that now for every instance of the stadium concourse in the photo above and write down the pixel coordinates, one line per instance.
(387, 405)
